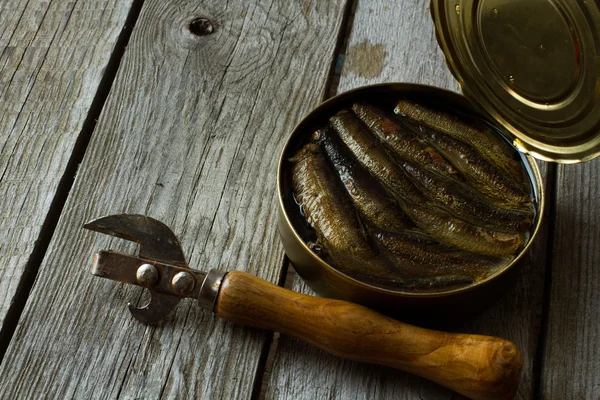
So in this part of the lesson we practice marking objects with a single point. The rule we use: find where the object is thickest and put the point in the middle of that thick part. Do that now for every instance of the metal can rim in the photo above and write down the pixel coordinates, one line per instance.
(533, 171)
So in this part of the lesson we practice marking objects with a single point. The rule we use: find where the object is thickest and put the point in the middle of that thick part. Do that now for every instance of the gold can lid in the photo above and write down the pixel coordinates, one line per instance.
(533, 66)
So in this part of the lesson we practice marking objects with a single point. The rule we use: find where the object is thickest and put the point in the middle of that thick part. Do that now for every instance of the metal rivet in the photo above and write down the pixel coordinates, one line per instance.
(147, 275)
(201, 27)
(183, 282)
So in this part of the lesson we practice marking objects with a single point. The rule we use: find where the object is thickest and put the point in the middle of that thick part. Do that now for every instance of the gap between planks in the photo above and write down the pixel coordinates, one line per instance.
(66, 182)
(550, 218)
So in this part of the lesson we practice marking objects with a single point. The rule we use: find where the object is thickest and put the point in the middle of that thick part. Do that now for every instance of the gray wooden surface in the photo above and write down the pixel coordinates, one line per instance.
(571, 367)
(52, 58)
(190, 134)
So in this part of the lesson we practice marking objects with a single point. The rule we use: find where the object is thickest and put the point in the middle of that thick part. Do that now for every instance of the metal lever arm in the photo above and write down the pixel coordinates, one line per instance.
(480, 367)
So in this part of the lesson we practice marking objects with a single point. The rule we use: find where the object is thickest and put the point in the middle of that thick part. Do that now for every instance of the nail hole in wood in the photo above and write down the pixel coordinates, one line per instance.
(201, 27)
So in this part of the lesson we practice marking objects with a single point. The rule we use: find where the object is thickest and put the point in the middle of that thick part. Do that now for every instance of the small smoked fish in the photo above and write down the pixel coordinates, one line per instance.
(492, 147)
(438, 223)
(484, 176)
(463, 235)
(372, 154)
(403, 142)
(465, 203)
(378, 209)
(330, 212)
(423, 257)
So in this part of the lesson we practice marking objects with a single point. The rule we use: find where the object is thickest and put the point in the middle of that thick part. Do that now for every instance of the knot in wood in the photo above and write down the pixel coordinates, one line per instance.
(201, 27)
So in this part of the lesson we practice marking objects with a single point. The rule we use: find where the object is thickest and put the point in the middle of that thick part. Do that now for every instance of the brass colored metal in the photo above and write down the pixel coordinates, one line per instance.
(328, 281)
(533, 66)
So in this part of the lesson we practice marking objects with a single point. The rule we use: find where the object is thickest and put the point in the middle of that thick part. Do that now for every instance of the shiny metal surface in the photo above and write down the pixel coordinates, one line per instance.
(183, 283)
(533, 66)
(210, 289)
(328, 281)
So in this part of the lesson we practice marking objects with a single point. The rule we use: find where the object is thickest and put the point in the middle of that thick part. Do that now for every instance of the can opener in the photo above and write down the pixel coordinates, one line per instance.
(480, 367)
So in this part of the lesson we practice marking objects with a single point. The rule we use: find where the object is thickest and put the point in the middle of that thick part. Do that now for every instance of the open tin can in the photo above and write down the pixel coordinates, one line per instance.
(529, 69)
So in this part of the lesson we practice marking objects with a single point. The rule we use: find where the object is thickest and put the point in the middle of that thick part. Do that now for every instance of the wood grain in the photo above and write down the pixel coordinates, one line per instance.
(53, 56)
(404, 34)
(400, 37)
(570, 363)
(191, 135)
(481, 367)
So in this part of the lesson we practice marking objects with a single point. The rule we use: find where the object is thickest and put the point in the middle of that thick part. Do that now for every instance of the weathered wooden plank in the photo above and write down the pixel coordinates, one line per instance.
(190, 134)
(53, 56)
(571, 365)
(391, 43)
(400, 41)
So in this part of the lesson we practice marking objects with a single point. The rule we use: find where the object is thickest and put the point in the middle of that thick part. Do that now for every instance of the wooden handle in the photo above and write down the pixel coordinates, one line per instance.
(480, 367)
